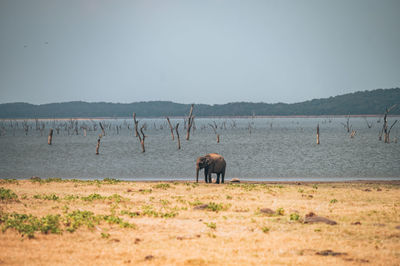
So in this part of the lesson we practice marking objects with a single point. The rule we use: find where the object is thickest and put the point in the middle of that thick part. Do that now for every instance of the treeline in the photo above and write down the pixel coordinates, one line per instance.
(359, 103)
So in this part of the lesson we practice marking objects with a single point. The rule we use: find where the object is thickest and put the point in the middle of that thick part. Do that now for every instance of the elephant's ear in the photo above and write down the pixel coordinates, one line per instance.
(207, 161)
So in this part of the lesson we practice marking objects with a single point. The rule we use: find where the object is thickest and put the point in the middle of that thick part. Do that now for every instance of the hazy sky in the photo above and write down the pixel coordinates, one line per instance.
(196, 51)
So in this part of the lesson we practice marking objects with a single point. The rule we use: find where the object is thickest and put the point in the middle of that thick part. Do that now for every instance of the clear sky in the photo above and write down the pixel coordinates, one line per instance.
(196, 51)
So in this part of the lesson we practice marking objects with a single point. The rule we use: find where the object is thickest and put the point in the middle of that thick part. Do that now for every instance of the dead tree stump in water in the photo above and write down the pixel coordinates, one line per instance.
(177, 135)
(98, 145)
(50, 137)
(142, 138)
(136, 125)
(172, 129)
(190, 122)
(214, 127)
(318, 134)
(385, 129)
(102, 129)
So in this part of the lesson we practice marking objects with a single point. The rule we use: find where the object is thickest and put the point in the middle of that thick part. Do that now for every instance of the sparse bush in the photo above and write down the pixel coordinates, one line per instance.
(7, 195)
(105, 235)
(162, 186)
(9, 181)
(215, 207)
(93, 197)
(280, 211)
(294, 217)
(29, 224)
(46, 197)
(333, 201)
(130, 214)
(110, 181)
(265, 229)
(211, 225)
(39, 180)
(71, 197)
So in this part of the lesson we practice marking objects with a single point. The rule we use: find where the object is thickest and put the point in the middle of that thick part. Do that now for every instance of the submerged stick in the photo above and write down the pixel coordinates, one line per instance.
(172, 129)
(98, 145)
(177, 134)
(50, 138)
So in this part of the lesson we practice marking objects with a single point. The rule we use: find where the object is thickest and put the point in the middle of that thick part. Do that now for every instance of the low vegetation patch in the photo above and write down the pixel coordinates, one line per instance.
(7, 195)
(211, 225)
(36, 179)
(29, 224)
(46, 197)
(9, 181)
(162, 186)
(115, 197)
(147, 210)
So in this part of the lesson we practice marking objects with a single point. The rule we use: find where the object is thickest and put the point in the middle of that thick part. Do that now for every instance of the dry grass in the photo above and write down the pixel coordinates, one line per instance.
(229, 230)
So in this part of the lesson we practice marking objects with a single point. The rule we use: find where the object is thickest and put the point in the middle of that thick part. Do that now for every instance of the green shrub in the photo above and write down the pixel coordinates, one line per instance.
(36, 179)
(294, 217)
(265, 229)
(215, 207)
(105, 235)
(9, 181)
(7, 195)
(28, 224)
(71, 197)
(162, 186)
(93, 197)
(211, 225)
(78, 218)
(280, 211)
(333, 201)
(46, 197)
(111, 181)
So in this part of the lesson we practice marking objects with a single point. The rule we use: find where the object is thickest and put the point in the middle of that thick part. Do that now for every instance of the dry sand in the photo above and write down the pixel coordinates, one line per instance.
(183, 223)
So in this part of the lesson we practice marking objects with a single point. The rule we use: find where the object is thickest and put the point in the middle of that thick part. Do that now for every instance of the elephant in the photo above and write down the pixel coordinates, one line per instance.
(212, 163)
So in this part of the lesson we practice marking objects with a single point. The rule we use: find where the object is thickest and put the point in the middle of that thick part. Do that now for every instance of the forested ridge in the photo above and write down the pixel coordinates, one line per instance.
(359, 103)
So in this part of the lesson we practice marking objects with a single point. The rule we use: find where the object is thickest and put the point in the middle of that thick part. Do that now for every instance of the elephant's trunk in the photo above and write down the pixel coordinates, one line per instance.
(197, 174)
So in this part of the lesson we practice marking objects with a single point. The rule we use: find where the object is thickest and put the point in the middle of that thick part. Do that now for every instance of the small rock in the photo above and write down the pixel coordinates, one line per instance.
(129, 190)
(356, 223)
(201, 207)
(149, 257)
(380, 225)
(186, 237)
(267, 211)
(313, 218)
(329, 252)
(367, 190)
(235, 180)
(398, 227)
(378, 189)
(115, 240)
(137, 240)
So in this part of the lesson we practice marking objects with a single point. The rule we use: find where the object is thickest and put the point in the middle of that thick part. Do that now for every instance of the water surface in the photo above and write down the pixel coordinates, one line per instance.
(254, 148)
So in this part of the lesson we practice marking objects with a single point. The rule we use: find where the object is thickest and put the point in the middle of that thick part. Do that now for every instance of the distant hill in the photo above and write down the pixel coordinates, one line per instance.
(359, 103)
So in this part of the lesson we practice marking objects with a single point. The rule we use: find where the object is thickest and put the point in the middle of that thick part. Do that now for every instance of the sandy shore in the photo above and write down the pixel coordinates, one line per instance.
(184, 223)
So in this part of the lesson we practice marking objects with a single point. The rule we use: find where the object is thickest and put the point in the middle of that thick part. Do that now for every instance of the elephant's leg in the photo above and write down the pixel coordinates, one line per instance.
(205, 176)
(218, 174)
(223, 177)
(209, 178)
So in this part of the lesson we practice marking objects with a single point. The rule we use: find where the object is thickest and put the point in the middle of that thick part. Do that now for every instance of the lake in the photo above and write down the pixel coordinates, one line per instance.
(254, 148)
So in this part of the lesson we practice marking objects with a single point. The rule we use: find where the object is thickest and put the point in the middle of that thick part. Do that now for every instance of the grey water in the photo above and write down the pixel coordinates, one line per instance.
(259, 149)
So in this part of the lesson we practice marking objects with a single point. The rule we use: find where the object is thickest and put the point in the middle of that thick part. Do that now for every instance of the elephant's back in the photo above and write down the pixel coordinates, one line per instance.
(216, 156)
